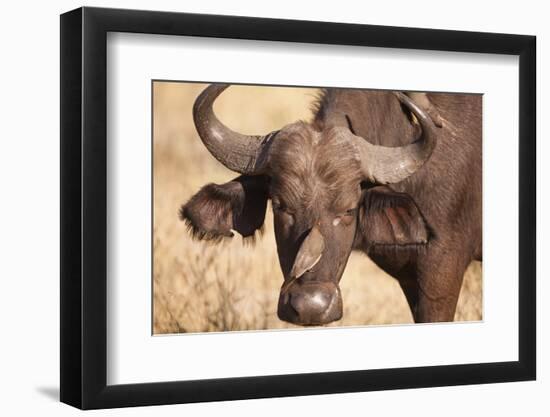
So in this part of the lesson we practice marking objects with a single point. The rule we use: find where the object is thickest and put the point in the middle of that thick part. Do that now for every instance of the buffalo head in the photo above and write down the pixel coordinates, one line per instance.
(316, 180)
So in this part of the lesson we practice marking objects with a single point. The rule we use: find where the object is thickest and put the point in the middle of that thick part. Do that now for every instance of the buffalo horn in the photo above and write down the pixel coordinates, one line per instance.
(386, 165)
(240, 153)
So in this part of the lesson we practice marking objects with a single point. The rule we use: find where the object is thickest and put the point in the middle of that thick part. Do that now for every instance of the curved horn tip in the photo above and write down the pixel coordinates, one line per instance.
(218, 86)
(388, 165)
(412, 106)
(240, 153)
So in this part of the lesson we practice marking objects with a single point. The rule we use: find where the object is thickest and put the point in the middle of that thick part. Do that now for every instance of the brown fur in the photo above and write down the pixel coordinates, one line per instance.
(304, 172)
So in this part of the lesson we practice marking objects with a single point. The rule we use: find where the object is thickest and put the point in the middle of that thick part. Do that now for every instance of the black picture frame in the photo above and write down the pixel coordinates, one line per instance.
(84, 207)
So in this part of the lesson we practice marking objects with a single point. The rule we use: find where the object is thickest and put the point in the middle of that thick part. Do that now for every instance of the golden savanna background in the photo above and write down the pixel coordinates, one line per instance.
(204, 287)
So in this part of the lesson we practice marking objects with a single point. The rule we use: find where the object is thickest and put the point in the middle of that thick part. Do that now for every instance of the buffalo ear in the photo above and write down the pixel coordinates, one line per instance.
(389, 218)
(216, 210)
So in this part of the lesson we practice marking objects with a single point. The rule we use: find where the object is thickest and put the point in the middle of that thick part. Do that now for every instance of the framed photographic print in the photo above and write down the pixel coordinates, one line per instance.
(257, 207)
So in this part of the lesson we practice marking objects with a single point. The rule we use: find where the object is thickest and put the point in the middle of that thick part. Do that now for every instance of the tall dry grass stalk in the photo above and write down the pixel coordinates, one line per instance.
(201, 287)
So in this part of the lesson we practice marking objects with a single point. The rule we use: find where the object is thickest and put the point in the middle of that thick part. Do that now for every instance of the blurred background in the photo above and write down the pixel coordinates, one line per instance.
(204, 287)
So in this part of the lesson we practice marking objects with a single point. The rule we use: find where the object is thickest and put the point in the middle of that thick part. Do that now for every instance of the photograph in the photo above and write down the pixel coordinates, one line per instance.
(293, 207)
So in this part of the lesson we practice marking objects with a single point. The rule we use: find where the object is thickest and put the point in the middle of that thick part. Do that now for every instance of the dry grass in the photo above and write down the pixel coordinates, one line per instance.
(200, 287)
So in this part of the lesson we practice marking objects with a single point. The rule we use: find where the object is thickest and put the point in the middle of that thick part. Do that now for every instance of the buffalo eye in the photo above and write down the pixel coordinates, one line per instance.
(279, 206)
(283, 211)
(351, 212)
(346, 218)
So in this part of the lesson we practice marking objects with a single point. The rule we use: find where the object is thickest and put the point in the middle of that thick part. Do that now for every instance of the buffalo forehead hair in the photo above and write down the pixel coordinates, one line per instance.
(308, 162)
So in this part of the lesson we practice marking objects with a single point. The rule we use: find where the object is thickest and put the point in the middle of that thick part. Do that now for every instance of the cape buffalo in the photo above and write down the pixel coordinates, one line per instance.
(395, 175)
